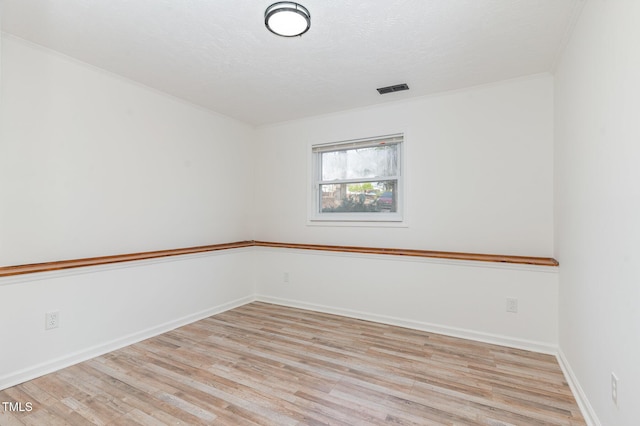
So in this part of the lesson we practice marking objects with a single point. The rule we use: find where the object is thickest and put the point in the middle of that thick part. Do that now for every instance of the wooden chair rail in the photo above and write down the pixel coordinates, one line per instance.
(104, 260)
(523, 260)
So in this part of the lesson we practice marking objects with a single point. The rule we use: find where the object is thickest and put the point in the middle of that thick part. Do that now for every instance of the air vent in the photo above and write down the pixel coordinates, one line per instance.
(396, 88)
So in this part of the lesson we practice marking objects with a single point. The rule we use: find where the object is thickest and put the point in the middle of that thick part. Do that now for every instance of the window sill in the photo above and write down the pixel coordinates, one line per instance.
(393, 221)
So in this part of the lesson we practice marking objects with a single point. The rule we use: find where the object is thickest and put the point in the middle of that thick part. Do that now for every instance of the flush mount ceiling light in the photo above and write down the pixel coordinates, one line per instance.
(287, 19)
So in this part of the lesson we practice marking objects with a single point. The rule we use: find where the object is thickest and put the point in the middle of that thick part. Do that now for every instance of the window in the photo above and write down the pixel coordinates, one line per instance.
(358, 180)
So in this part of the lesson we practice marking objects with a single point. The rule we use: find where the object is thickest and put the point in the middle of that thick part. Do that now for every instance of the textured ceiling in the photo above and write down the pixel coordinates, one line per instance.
(218, 54)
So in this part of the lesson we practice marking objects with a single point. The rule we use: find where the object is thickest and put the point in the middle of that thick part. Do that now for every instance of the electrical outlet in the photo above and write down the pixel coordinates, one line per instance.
(285, 277)
(614, 388)
(512, 305)
(51, 320)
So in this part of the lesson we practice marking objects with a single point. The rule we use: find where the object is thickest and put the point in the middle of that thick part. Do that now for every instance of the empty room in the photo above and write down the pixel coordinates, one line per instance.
(416, 212)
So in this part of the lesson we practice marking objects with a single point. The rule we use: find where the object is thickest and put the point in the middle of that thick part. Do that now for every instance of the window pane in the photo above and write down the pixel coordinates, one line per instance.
(371, 162)
(366, 197)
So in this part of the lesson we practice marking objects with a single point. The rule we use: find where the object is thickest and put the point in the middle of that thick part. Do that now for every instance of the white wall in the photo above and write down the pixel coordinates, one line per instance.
(597, 208)
(479, 171)
(107, 307)
(92, 164)
(465, 299)
(479, 178)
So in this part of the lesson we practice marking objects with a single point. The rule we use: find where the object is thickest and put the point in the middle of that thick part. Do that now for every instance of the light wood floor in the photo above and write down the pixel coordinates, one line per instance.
(263, 364)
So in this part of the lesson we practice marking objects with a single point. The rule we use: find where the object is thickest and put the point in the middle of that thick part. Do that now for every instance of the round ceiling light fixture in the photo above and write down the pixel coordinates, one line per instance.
(287, 19)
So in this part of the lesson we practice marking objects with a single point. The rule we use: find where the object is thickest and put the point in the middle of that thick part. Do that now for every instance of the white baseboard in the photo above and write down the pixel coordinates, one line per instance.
(495, 339)
(587, 410)
(92, 352)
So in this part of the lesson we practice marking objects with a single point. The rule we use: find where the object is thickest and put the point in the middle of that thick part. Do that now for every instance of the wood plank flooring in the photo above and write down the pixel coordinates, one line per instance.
(263, 364)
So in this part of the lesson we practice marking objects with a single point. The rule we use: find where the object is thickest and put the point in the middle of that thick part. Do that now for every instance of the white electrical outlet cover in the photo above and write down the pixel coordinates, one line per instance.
(51, 320)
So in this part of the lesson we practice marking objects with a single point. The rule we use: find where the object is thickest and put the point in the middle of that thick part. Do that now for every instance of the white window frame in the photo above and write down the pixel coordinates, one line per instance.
(317, 217)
